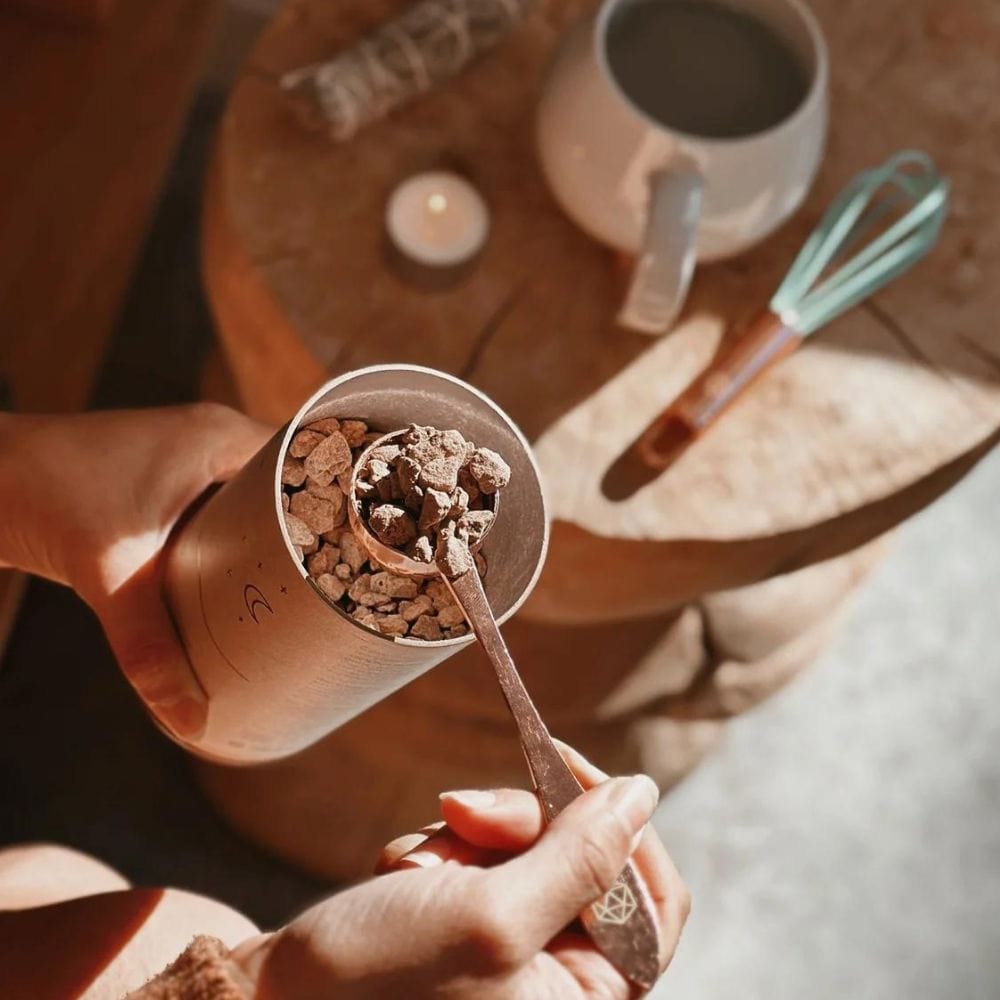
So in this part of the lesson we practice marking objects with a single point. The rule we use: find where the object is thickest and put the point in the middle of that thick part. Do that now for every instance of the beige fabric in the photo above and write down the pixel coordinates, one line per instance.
(201, 972)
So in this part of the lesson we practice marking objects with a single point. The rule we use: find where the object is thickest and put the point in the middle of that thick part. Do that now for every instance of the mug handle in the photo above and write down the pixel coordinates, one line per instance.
(666, 259)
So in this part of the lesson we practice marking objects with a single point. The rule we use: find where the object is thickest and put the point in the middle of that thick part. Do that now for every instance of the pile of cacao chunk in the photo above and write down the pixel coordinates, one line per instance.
(421, 496)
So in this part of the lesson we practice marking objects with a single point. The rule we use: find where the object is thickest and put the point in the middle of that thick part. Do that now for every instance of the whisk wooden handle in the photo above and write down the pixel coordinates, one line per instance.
(765, 342)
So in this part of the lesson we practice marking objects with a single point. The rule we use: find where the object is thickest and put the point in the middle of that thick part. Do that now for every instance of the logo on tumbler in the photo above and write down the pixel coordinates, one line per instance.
(617, 906)
(253, 598)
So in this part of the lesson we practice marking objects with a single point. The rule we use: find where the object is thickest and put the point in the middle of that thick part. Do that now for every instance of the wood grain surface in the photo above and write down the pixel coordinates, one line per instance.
(90, 120)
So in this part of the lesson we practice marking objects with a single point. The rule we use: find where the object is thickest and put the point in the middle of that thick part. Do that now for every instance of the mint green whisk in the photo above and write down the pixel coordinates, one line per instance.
(909, 177)
(885, 220)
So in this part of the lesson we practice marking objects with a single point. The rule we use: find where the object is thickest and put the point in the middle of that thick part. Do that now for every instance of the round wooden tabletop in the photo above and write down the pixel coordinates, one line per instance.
(868, 422)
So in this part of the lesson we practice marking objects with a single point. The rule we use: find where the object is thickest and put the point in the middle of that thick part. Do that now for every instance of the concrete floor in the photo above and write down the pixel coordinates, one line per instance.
(844, 842)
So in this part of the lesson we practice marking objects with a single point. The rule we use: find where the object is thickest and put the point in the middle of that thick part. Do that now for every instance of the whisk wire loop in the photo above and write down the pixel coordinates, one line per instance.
(911, 178)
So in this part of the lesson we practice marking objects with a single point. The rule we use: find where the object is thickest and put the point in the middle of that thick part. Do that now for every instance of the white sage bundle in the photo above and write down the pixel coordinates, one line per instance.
(430, 42)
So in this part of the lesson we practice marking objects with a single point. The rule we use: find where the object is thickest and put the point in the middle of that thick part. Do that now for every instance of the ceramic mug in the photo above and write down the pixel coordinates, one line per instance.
(667, 196)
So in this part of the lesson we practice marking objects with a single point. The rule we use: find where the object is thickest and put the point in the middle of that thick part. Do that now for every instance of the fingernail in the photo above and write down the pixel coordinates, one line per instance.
(566, 750)
(185, 716)
(634, 799)
(420, 859)
(147, 664)
(636, 841)
(471, 798)
(573, 756)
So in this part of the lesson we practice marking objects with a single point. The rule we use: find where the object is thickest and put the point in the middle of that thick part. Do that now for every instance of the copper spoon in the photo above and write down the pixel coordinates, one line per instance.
(621, 923)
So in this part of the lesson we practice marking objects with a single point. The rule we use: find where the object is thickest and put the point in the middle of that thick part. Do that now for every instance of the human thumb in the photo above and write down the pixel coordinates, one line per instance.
(142, 636)
(577, 859)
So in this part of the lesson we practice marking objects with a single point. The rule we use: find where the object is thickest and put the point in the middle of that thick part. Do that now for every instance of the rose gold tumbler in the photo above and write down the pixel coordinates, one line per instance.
(282, 666)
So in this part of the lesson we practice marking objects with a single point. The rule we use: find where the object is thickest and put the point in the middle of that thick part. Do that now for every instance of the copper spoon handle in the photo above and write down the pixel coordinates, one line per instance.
(621, 923)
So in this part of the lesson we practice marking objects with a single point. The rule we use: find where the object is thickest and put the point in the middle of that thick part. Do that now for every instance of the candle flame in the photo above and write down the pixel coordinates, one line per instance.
(437, 202)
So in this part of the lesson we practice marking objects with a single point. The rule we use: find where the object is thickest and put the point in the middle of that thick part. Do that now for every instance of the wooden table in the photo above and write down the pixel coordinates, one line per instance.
(651, 620)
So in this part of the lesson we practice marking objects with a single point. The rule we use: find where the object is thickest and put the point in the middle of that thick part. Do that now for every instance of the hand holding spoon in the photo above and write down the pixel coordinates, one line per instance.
(621, 924)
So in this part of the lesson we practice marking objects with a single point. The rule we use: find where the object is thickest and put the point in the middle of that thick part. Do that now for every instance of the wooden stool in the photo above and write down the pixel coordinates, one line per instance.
(651, 622)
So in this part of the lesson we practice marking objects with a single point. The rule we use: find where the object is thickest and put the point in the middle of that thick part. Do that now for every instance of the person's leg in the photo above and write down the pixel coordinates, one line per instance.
(37, 874)
(111, 938)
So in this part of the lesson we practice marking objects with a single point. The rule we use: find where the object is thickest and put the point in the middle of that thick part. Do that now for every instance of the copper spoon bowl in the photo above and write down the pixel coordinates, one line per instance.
(385, 555)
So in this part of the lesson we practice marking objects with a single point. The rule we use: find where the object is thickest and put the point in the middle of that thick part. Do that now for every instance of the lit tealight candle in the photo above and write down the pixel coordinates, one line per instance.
(437, 219)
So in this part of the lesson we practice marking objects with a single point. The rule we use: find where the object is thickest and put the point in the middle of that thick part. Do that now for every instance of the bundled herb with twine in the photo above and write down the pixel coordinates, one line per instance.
(427, 44)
